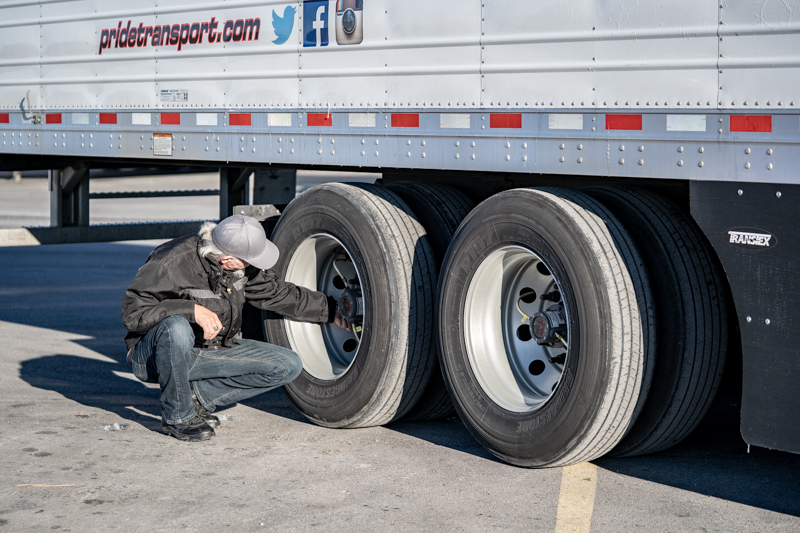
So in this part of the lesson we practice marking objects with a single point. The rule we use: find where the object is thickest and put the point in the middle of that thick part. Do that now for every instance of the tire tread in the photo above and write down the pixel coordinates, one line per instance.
(704, 328)
(419, 272)
(631, 286)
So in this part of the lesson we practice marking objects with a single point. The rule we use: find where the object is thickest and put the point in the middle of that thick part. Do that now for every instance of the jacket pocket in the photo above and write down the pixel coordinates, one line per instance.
(140, 371)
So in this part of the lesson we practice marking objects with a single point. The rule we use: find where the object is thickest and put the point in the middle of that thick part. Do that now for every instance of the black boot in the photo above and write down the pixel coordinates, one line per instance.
(205, 414)
(194, 430)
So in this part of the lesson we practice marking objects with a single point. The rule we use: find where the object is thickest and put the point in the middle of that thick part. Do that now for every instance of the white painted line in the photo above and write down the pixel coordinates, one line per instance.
(686, 123)
(80, 118)
(283, 120)
(206, 119)
(576, 498)
(570, 121)
(362, 120)
(454, 121)
(141, 119)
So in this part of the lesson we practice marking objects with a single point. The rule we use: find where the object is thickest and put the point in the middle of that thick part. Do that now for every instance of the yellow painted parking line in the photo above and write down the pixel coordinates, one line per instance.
(576, 498)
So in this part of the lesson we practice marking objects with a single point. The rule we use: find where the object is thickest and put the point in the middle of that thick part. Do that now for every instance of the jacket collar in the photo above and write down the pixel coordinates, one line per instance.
(210, 265)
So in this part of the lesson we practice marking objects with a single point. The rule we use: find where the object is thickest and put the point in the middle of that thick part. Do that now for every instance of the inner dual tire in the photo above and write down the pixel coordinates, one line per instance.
(529, 404)
(368, 236)
(690, 313)
(440, 209)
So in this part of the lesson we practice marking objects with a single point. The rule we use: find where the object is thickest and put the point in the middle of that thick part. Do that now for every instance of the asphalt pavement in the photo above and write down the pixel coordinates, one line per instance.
(63, 378)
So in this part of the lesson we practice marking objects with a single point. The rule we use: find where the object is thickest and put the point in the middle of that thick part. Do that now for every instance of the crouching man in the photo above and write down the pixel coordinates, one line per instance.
(183, 312)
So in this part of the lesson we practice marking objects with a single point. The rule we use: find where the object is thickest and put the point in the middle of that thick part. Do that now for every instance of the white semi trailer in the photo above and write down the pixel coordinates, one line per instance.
(585, 205)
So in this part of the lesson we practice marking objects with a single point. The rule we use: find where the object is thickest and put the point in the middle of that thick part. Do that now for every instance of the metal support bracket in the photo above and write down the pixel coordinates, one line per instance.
(258, 212)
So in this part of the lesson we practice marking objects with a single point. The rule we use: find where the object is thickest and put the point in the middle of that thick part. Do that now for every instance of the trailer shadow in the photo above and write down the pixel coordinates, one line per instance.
(449, 433)
(74, 288)
(714, 461)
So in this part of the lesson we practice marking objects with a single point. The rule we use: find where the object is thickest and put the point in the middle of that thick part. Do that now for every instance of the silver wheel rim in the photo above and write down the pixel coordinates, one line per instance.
(327, 351)
(504, 364)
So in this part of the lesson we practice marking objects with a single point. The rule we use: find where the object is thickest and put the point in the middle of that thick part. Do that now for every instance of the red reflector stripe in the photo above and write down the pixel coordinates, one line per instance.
(240, 119)
(319, 119)
(108, 118)
(500, 120)
(3, 118)
(752, 123)
(171, 118)
(624, 122)
(52, 118)
(405, 120)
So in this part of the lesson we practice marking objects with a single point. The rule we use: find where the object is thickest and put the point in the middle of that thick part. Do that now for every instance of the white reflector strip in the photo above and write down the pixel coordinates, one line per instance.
(454, 121)
(362, 120)
(686, 123)
(565, 122)
(280, 119)
(80, 118)
(206, 119)
(140, 119)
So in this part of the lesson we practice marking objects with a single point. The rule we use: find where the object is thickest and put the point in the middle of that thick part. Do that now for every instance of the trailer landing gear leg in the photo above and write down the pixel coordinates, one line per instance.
(69, 197)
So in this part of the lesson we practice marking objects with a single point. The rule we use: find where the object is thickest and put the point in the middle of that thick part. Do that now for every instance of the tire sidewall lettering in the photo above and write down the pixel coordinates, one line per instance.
(305, 226)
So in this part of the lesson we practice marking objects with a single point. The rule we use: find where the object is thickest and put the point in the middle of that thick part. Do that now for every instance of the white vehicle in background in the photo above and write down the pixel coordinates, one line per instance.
(584, 206)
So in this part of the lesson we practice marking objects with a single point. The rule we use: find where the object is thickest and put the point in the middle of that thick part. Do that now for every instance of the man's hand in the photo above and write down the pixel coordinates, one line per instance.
(208, 320)
(342, 322)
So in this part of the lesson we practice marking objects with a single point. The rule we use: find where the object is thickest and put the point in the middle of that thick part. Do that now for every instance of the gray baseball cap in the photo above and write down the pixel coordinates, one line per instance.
(244, 238)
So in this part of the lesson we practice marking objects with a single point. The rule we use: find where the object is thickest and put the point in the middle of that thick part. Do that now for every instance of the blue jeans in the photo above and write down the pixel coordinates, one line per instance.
(167, 355)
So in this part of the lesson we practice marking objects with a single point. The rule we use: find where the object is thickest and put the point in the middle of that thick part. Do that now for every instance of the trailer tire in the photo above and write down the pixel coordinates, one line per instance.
(579, 248)
(390, 254)
(440, 209)
(691, 318)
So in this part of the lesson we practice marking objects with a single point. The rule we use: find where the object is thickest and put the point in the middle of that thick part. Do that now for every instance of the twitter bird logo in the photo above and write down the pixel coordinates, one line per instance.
(284, 25)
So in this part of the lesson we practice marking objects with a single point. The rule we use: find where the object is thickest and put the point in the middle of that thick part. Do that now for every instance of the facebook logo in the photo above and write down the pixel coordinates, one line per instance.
(315, 23)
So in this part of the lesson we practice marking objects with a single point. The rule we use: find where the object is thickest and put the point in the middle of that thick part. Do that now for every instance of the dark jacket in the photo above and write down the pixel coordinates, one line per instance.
(175, 278)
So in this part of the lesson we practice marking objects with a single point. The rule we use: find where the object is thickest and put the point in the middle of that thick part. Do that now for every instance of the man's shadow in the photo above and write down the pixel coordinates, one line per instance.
(92, 382)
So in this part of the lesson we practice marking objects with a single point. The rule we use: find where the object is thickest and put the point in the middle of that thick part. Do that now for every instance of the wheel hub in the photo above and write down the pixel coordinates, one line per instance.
(351, 305)
(549, 328)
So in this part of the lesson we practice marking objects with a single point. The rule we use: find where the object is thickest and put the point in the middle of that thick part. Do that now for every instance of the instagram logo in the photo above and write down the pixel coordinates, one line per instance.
(349, 21)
